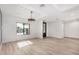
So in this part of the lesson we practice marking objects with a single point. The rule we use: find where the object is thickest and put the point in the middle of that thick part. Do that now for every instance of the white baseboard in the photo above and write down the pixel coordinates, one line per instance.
(72, 37)
(19, 40)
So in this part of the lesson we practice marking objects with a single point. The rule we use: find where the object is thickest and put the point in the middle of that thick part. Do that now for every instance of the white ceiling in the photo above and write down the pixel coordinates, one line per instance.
(49, 12)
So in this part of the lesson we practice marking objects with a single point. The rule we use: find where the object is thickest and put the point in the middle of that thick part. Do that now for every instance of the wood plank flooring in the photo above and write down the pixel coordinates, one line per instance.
(46, 46)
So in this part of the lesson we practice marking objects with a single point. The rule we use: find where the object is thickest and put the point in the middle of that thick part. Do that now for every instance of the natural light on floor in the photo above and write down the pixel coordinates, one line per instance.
(24, 43)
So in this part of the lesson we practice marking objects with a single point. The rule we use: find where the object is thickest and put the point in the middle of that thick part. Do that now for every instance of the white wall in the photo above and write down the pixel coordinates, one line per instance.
(0, 25)
(72, 29)
(36, 28)
(55, 29)
(9, 28)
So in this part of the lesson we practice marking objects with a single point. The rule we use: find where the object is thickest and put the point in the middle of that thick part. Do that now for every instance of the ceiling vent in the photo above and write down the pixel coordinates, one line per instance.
(42, 5)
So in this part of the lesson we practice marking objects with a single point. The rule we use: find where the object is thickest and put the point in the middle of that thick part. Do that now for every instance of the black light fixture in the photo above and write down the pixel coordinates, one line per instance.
(31, 19)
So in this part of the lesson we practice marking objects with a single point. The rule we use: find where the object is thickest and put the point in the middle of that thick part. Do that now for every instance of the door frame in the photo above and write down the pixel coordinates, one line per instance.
(45, 34)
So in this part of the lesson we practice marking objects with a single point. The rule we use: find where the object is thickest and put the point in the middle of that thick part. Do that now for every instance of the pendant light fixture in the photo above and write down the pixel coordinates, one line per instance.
(31, 19)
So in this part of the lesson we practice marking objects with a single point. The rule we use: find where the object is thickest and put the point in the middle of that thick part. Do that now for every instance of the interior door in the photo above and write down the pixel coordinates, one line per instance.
(44, 29)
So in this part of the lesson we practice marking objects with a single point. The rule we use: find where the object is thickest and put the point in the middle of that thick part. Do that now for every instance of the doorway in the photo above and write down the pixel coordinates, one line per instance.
(44, 29)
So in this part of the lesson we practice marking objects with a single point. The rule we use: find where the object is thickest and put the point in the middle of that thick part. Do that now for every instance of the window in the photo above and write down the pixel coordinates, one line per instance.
(23, 28)
(26, 29)
(19, 29)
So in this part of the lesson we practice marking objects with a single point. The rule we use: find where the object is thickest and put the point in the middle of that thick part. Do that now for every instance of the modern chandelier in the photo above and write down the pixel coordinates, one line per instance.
(31, 19)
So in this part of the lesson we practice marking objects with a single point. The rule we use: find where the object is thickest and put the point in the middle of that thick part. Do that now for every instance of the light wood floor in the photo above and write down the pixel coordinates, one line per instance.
(46, 46)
